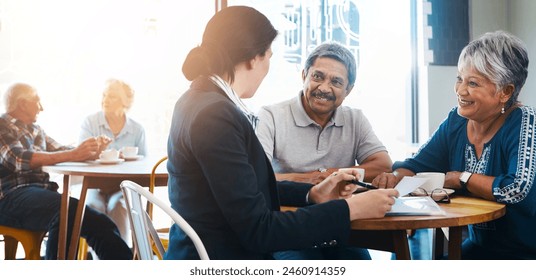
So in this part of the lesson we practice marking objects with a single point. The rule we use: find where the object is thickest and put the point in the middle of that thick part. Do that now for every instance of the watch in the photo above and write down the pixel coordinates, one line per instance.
(464, 178)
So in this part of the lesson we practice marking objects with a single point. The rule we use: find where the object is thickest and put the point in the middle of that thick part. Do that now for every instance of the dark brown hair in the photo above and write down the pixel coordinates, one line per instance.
(232, 36)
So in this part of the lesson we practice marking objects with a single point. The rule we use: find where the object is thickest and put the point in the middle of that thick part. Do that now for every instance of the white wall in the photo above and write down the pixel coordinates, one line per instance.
(515, 16)
(522, 23)
(441, 97)
(487, 15)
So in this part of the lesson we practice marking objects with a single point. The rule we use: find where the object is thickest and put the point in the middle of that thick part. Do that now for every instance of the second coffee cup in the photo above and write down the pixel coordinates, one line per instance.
(111, 154)
(436, 180)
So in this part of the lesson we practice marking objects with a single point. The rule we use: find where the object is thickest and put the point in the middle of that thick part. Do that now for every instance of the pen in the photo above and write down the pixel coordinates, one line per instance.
(362, 184)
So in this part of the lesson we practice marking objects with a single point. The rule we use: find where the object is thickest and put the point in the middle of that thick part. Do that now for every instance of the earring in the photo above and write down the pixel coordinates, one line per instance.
(502, 110)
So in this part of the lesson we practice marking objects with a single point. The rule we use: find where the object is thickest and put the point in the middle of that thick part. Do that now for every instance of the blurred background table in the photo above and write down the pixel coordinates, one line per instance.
(99, 176)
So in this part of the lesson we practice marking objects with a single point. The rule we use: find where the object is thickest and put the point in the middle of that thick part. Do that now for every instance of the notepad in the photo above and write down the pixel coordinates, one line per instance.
(415, 206)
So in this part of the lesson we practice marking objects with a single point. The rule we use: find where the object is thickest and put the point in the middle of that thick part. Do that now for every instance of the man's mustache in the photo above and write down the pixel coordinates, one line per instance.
(324, 95)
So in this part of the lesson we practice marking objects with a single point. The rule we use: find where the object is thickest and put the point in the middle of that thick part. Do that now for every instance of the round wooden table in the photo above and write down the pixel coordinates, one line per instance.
(390, 233)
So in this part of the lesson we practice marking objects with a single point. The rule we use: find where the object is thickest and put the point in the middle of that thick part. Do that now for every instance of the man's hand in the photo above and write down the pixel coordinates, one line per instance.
(385, 181)
(389, 180)
(87, 150)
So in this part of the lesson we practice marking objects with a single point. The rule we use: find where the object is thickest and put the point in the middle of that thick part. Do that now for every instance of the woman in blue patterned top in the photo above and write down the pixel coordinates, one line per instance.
(487, 147)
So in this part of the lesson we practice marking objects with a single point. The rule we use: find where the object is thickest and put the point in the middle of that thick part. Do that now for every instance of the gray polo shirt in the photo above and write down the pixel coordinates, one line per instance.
(295, 143)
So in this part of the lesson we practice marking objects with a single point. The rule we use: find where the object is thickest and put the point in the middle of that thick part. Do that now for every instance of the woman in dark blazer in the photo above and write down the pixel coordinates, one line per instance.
(220, 180)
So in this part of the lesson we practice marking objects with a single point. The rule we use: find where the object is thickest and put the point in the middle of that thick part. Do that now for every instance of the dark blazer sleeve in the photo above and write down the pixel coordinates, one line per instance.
(234, 164)
(293, 193)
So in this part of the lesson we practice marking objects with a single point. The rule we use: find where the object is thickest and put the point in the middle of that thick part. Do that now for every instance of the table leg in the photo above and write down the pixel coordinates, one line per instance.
(400, 238)
(64, 214)
(78, 220)
(455, 243)
(438, 248)
(395, 241)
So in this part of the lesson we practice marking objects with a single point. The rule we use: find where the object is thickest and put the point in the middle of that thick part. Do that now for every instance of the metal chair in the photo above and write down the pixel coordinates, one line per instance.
(30, 240)
(143, 231)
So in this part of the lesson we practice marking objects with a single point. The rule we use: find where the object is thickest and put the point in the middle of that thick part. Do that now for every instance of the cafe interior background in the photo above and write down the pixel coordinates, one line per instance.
(406, 51)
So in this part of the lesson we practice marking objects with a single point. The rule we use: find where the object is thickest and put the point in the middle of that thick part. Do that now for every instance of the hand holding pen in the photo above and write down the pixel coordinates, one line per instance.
(362, 184)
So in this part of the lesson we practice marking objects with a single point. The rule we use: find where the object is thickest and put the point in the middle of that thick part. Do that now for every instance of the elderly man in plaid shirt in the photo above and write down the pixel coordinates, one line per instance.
(28, 199)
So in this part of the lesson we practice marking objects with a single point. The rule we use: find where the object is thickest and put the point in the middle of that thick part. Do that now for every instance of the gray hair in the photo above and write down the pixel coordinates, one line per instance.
(499, 56)
(338, 52)
(17, 92)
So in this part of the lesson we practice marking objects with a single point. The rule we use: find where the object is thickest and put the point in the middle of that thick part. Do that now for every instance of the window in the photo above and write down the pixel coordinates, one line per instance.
(67, 49)
(67, 56)
(377, 31)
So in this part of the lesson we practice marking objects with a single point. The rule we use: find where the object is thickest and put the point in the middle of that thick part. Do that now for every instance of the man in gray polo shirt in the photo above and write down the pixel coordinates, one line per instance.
(311, 135)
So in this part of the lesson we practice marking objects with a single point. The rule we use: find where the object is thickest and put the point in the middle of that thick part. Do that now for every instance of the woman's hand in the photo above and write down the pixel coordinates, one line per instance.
(335, 186)
(452, 180)
(371, 204)
(102, 141)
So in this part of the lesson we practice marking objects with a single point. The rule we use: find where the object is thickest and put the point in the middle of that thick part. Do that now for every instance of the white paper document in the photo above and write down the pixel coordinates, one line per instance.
(408, 184)
(415, 206)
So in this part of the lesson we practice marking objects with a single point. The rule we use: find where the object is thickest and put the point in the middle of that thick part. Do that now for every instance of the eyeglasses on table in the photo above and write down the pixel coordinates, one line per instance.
(438, 195)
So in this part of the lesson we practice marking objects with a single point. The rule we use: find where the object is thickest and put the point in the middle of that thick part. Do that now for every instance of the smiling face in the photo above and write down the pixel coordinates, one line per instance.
(31, 108)
(478, 97)
(325, 85)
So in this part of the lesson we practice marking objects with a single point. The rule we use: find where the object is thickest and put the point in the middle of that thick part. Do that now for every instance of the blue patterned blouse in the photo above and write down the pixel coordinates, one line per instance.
(510, 157)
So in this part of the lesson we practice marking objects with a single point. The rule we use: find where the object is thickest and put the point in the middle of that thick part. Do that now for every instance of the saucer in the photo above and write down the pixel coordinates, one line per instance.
(136, 157)
(109, 161)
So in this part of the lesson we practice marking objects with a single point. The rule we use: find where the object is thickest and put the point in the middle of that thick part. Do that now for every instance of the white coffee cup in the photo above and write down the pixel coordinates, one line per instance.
(360, 171)
(129, 151)
(436, 180)
(110, 154)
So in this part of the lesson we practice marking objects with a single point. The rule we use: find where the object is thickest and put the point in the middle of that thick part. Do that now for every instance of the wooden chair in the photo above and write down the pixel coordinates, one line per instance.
(152, 184)
(145, 237)
(162, 232)
(30, 240)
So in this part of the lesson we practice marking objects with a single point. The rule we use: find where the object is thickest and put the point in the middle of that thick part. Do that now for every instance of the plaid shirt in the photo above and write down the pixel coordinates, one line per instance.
(18, 142)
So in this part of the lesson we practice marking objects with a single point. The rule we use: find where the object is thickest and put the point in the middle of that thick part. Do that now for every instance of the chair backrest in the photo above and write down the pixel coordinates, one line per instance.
(144, 233)
(152, 184)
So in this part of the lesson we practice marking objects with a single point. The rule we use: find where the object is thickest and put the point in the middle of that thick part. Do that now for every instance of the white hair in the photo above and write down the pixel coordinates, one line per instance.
(499, 56)
(15, 93)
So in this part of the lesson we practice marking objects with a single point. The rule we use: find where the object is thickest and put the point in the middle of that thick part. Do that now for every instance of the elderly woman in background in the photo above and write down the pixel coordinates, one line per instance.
(487, 147)
(113, 122)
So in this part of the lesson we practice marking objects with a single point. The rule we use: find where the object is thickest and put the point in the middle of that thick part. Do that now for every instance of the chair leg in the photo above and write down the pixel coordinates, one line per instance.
(10, 247)
(32, 246)
(82, 249)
